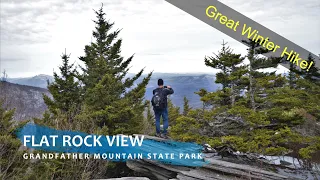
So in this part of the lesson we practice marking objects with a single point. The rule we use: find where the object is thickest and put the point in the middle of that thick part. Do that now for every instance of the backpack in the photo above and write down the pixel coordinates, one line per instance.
(158, 100)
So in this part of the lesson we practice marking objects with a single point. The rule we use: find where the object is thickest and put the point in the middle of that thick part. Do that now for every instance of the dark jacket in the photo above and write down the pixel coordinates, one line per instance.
(166, 92)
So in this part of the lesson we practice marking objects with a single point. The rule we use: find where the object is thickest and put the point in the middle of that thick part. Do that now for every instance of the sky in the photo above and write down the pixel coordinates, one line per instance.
(34, 33)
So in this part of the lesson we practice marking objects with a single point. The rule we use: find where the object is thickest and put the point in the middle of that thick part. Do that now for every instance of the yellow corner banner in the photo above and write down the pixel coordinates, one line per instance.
(242, 28)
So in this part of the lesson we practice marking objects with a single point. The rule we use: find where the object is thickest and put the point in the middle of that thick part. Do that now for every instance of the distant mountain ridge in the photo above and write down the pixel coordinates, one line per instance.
(184, 84)
(36, 81)
(25, 94)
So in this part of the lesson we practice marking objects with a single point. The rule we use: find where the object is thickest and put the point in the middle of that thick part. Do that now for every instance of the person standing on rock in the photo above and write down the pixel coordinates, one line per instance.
(160, 106)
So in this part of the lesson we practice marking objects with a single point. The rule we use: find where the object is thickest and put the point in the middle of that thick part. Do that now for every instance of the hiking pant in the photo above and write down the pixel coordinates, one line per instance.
(164, 114)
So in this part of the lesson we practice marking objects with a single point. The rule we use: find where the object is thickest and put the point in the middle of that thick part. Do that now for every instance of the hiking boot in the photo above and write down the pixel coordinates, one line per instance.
(158, 135)
(164, 136)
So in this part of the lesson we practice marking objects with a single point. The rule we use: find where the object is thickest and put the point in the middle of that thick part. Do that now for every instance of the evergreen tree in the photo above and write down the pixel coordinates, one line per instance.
(110, 96)
(150, 115)
(312, 74)
(205, 101)
(256, 62)
(12, 163)
(149, 119)
(236, 76)
(230, 75)
(186, 107)
(6, 120)
(65, 90)
(292, 77)
(173, 112)
(278, 117)
(220, 62)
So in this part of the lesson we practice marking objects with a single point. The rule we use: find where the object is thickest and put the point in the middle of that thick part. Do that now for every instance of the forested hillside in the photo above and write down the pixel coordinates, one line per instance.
(27, 100)
(279, 115)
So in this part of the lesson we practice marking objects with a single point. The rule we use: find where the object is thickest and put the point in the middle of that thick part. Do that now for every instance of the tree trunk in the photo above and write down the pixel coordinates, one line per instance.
(251, 90)
(233, 96)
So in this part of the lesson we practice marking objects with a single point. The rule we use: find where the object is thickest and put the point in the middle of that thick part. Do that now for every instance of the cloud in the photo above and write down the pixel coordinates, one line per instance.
(25, 22)
(162, 37)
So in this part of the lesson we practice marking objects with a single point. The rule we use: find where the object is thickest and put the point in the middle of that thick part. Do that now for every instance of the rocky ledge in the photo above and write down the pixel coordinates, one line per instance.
(224, 163)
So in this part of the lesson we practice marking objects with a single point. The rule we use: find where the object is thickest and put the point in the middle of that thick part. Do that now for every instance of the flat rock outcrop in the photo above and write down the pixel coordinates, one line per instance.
(230, 165)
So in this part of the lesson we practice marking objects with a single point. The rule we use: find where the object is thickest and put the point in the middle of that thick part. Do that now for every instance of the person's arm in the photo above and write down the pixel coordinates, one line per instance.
(169, 90)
